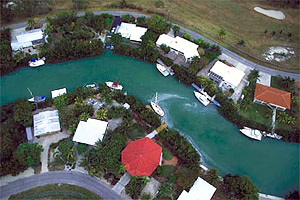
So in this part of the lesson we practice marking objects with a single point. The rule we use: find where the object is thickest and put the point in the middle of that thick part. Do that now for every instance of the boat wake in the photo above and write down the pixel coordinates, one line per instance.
(163, 97)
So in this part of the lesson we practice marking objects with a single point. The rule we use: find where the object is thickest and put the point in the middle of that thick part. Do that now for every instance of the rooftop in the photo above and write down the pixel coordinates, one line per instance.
(231, 75)
(46, 122)
(90, 132)
(201, 190)
(273, 96)
(189, 49)
(131, 31)
(29, 36)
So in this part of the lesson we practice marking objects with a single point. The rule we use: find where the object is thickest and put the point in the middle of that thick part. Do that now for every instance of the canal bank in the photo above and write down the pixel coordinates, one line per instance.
(272, 165)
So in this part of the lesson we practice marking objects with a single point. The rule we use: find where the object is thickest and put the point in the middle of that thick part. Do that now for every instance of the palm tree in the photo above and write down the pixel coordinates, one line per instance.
(31, 23)
(222, 33)
(212, 176)
(101, 114)
(287, 82)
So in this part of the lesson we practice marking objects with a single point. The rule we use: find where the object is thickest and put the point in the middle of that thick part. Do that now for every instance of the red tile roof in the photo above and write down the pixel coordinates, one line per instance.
(273, 96)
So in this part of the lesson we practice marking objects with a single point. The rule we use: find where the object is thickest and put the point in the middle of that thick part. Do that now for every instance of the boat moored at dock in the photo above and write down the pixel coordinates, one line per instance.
(114, 85)
(251, 133)
(162, 70)
(37, 63)
(204, 99)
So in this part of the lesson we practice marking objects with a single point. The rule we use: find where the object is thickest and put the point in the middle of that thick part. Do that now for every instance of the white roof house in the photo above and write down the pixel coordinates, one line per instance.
(201, 190)
(59, 92)
(131, 31)
(187, 48)
(90, 132)
(230, 75)
(46, 122)
(25, 39)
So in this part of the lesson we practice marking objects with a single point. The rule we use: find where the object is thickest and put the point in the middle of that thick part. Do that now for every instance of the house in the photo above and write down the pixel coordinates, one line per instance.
(179, 46)
(131, 31)
(59, 92)
(90, 132)
(226, 76)
(46, 122)
(273, 97)
(201, 190)
(27, 39)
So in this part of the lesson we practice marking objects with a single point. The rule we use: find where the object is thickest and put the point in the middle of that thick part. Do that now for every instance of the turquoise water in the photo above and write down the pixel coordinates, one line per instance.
(272, 165)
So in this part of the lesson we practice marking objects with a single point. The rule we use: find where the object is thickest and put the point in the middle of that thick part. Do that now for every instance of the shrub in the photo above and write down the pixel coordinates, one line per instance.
(167, 61)
(128, 18)
(159, 4)
(187, 36)
(135, 187)
(165, 48)
(81, 148)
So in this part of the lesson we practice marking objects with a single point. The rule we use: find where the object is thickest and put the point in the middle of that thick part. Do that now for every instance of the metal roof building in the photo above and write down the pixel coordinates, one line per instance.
(27, 39)
(131, 31)
(46, 122)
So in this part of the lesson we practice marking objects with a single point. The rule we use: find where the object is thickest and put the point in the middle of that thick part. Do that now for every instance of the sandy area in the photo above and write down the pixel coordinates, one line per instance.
(270, 13)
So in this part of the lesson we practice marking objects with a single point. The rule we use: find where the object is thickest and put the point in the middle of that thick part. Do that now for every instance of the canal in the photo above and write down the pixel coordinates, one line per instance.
(272, 165)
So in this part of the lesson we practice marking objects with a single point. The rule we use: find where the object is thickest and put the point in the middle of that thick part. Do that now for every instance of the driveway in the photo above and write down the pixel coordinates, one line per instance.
(66, 177)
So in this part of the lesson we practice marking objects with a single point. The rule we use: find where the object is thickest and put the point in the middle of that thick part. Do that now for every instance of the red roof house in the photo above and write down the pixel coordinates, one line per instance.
(141, 157)
(272, 96)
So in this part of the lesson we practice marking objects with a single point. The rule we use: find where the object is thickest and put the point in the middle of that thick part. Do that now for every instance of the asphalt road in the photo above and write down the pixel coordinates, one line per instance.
(74, 178)
(195, 35)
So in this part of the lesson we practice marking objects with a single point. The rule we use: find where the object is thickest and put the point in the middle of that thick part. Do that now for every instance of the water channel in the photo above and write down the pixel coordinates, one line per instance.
(272, 165)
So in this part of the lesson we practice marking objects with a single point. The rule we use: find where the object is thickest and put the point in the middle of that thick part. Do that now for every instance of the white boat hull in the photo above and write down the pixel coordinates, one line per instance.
(157, 109)
(251, 133)
(162, 70)
(112, 86)
(202, 98)
(37, 63)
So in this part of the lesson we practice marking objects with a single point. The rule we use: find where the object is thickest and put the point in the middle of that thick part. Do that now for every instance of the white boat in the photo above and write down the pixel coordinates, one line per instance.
(202, 98)
(114, 85)
(93, 86)
(251, 133)
(36, 63)
(157, 108)
(36, 99)
(162, 69)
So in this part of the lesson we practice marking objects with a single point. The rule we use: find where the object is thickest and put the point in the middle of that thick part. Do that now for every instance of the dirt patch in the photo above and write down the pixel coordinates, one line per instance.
(173, 162)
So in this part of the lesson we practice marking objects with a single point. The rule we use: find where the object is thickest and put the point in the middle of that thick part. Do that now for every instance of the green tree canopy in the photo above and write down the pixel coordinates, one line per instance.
(29, 154)
(157, 24)
(23, 112)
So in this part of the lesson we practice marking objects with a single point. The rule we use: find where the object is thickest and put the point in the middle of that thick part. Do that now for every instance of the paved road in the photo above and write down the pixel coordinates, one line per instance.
(195, 35)
(74, 178)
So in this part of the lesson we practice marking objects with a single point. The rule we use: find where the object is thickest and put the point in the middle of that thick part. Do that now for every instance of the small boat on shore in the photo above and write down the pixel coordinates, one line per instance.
(251, 133)
(93, 86)
(270, 135)
(37, 99)
(37, 63)
(157, 108)
(114, 85)
(162, 69)
(202, 98)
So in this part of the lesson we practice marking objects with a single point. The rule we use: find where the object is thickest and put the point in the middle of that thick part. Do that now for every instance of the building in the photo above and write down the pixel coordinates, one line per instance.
(225, 76)
(90, 132)
(131, 31)
(59, 92)
(179, 46)
(272, 97)
(46, 122)
(201, 190)
(29, 134)
(27, 39)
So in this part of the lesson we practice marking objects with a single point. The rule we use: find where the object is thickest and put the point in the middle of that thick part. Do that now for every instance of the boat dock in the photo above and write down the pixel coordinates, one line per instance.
(212, 99)
(169, 69)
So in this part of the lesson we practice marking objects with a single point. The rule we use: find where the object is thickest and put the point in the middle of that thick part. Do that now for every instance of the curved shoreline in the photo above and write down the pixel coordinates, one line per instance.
(195, 35)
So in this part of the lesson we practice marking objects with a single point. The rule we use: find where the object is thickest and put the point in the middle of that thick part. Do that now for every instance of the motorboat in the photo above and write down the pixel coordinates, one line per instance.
(272, 135)
(204, 99)
(157, 108)
(252, 133)
(114, 85)
(37, 63)
(162, 69)
(37, 99)
(93, 86)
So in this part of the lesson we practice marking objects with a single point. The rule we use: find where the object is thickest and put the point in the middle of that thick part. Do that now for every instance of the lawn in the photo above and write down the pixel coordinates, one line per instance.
(137, 132)
(237, 18)
(166, 170)
(258, 113)
(55, 191)
(167, 155)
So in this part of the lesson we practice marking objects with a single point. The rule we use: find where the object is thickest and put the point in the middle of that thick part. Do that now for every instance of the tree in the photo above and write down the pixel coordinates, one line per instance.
(221, 33)
(157, 24)
(187, 36)
(30, 23)
(165, 48)
(141, 21)
(186, 177)
(84, 116)
(212, 176)
(239, 187)
(29, 154)
(116, 39)
(101, 114)
(165, 190)
(176, 30)
(287, 83)
(128, 18)
(23, 112)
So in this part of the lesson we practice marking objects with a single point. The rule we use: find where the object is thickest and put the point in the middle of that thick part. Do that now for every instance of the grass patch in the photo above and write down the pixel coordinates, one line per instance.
(166, 170)
(275, 82)
(258, 113)
(54, 191)
(167, 155)
(137, 132)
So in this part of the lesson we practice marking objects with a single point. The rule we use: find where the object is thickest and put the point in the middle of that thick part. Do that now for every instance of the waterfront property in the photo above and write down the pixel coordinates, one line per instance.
(131, 31)
(141, 157)
(272, 97)
(225, 76)
(27, 39)
(179, 46)
(46, 122)
(201, 190)
(90, 132)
